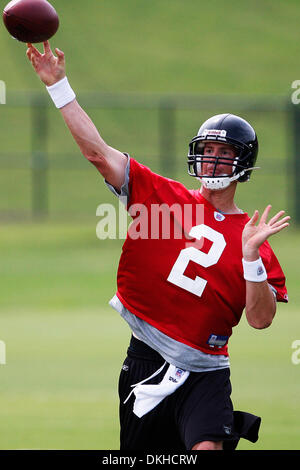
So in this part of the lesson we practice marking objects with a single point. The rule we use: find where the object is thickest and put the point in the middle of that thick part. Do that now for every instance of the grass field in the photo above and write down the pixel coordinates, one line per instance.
(65, 345)
(166, 46)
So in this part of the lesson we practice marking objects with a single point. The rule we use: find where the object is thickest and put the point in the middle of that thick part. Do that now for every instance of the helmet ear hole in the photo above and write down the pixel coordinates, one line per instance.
(231, 130)
(199, 148)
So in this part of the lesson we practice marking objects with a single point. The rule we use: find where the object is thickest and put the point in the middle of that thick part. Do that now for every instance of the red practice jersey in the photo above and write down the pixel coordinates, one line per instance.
(181, 264)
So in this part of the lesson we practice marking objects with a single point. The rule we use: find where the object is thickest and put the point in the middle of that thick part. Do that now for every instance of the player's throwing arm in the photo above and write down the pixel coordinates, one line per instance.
(51, 69)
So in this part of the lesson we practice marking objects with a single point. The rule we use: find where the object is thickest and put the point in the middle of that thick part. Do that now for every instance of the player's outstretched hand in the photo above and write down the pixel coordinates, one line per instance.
(254, 234)
(49, 68)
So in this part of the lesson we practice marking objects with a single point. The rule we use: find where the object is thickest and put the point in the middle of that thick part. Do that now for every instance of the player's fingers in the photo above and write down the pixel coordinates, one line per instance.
(276, 217)
(47, 48)
(32, 57)
(60, 54)
(281, 222)
(254, 218)
(281, 227)
(34, 50)
(34, 53)
(29, 54)
(34, 61)
(265, 214)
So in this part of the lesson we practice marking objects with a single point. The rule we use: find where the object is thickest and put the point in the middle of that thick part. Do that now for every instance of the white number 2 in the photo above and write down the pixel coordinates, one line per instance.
(196, 286)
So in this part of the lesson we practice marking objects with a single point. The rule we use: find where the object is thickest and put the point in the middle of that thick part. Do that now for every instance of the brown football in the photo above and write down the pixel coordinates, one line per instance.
(30, 20)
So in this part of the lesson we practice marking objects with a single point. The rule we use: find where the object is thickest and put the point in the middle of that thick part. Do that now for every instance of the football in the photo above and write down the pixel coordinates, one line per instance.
(30, 20)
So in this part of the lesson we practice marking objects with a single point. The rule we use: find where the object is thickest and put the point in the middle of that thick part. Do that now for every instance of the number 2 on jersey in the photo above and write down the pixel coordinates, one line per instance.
(196, 286)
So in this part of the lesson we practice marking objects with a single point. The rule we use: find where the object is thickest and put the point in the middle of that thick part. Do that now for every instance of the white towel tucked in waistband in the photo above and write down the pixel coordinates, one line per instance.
(148, 397)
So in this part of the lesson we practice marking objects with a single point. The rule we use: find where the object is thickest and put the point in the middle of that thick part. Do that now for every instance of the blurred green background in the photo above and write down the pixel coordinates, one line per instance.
(158, 69)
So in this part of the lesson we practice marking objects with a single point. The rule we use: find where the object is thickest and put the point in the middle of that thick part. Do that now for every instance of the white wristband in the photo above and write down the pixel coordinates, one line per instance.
(254, 270)
(61, 93)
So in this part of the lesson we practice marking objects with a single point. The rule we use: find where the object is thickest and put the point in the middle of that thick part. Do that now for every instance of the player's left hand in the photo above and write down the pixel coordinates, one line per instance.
(255, 234)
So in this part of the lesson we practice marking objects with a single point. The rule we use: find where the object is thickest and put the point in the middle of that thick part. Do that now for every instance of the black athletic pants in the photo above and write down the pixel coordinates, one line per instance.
(199, 410)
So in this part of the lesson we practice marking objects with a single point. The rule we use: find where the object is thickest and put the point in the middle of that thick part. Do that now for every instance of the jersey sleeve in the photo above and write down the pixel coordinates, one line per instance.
(276, 277)
(143, 182)
(140, 182)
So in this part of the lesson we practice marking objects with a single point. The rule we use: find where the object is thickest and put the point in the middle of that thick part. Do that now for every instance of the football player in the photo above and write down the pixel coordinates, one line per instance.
(181, 296)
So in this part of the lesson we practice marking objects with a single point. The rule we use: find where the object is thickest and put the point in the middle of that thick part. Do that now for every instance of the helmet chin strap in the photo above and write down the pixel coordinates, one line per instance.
(218, 182)
(221, 182)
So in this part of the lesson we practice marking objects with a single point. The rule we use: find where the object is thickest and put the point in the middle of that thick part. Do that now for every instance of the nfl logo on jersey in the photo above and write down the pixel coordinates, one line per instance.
(218, 216)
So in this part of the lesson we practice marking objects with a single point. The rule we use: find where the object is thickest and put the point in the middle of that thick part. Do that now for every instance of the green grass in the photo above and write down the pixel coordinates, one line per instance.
(170, 46)
(65, 345)
(59, 386)
(265, 381)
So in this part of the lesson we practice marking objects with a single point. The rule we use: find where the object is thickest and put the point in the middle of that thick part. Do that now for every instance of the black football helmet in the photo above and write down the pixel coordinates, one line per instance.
(232, 130)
